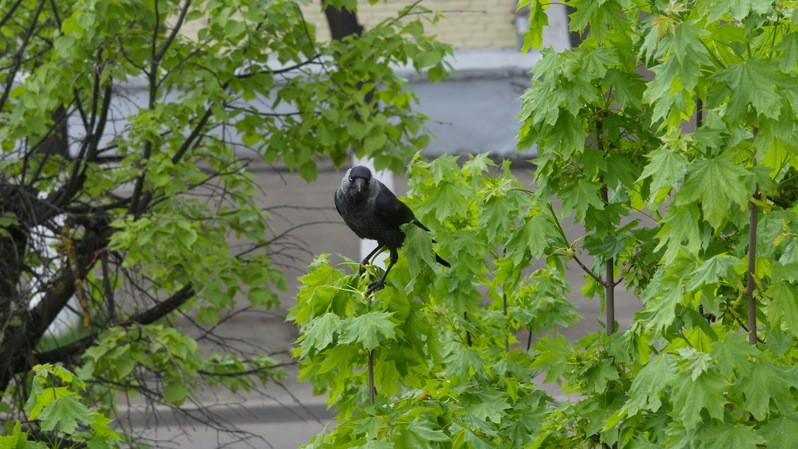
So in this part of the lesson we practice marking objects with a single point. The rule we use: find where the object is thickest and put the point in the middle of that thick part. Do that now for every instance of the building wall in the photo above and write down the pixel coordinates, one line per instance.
(466, 24)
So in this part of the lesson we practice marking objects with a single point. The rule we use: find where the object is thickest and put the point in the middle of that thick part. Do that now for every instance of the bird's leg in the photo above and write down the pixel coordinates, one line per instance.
(381, 283)
(367, 258)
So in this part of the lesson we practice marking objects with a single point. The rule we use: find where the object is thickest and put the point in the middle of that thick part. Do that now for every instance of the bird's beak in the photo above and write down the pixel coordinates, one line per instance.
(360, 184)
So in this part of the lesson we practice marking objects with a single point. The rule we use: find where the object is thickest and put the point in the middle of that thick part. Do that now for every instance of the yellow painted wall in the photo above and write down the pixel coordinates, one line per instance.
(467, 24)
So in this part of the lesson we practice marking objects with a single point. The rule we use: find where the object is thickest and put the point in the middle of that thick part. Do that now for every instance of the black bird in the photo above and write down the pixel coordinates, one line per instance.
(373, 212)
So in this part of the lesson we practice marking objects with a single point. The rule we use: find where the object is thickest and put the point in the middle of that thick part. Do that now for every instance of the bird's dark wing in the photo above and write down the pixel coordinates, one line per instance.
(335, 200)
(390, 209)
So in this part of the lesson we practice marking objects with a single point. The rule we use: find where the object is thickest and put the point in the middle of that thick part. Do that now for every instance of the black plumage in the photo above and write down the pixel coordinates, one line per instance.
(373, 212)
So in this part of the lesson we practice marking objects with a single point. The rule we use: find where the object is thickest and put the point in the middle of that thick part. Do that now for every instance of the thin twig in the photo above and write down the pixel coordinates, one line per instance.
(576, 259)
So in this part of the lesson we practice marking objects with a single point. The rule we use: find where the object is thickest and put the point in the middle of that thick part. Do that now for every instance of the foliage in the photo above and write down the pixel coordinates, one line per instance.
(125, 194)
(448, 369)
(55, 406)
(669, 135)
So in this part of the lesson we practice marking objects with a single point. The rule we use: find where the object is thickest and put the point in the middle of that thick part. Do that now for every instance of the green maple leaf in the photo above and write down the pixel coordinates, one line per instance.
(598, 376)
(690, 53)
(418, 245)
(751, 83)
(732, 354)
(444, 168)
(101, 426)
(375, 444)
(567, 134)
(601, 16)
(368, 329)
(475, 166)
(640, 442)
(19, 439)
(419, 435)
(467, 438)
(691, 396)
(735, 436)
(739, 9)
(598, 60)
(714, 182)
(493, 216)
(766, 381)
(387, 377)
(661, 300)
(784, 306)
(533, 37)
(38, 400)
(627, 88)
(788, 46)
(664, 91)
(65, 412)
(502, 201)
(620, 168)
(551, 356)
(485, 405)
(580, 196)
(694, 362)
(607, 246)
(781, 431)
(337, 357)
(464, 363)
(679, 225)
(449, 199)
(648, 385)
(530, 236)
(714, 270)
(320, 332)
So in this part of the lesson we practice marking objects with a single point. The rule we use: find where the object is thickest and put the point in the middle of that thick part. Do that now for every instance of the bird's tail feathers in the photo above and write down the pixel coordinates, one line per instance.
(420, 225)
(438, 258)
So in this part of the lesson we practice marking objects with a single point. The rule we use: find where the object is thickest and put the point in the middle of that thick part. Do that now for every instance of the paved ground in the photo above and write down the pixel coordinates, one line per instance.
(285, 417)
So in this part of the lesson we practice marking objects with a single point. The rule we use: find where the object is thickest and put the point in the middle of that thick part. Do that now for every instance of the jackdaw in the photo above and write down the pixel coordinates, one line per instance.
(373, 212)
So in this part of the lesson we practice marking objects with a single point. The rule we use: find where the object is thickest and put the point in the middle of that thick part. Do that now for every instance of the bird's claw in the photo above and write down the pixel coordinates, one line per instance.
(374, 286)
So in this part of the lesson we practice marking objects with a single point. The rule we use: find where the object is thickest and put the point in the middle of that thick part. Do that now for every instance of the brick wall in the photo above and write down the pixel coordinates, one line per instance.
(467, 24)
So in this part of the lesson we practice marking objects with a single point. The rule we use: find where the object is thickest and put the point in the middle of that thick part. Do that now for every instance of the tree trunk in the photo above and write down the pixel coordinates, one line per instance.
(342, 22)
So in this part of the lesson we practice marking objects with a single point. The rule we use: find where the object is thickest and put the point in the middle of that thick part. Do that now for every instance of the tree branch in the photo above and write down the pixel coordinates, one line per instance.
(18, 55)
(195, 133)
(751, 271)
(175, 31)
(67, 352)
(10, 13)
(576, 259)
(248, 372)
